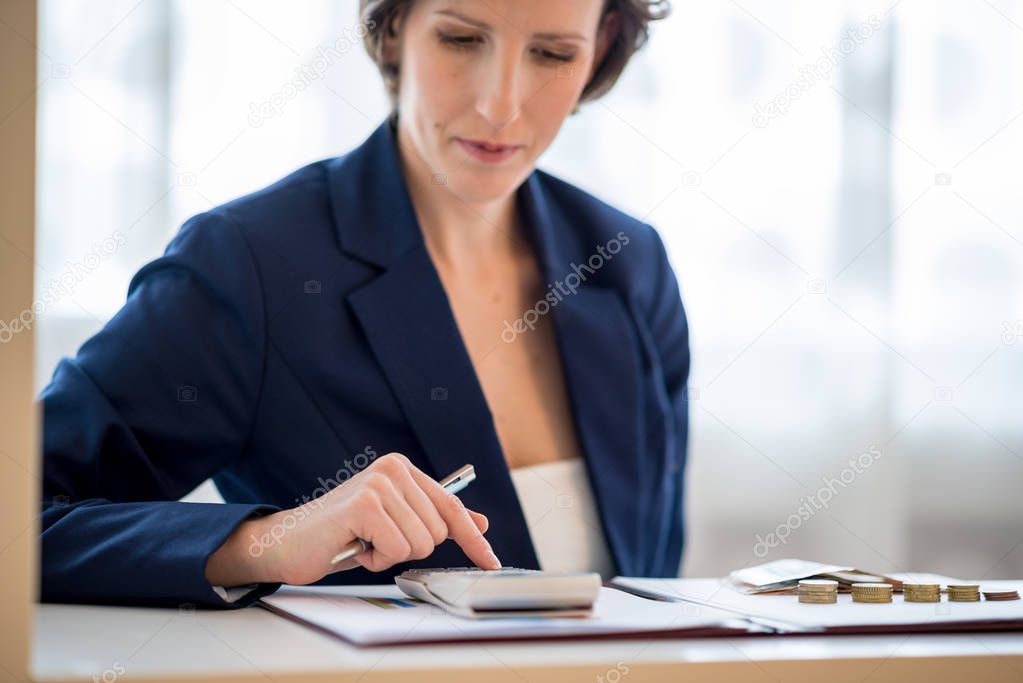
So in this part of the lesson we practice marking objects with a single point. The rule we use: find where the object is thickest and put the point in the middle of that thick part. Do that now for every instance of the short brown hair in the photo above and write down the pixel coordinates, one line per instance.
(378, 16)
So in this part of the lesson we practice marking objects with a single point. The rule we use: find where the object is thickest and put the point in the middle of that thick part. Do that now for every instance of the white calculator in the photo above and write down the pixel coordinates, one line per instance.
(506, 592)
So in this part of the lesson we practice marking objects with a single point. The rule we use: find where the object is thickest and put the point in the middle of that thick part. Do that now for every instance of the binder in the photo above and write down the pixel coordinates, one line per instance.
(383, 615)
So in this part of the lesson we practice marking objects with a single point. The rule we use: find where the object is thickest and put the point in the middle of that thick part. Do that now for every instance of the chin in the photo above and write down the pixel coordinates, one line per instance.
(481, 190)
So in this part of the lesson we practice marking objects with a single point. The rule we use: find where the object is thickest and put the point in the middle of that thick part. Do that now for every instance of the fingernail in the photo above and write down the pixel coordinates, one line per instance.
(493, 559)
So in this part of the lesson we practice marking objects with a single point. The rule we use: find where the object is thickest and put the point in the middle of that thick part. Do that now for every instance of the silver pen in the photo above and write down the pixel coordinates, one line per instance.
(453, 483)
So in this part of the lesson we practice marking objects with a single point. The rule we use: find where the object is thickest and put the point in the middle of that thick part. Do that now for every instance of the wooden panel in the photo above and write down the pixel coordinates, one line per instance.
(18, 428)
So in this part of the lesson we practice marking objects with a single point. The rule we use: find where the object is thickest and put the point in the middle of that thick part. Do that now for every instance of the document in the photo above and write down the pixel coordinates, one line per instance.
(383, 615)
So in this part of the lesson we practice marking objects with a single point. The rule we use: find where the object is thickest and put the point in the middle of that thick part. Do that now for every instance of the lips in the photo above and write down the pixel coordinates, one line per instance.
(490, 146)
(490, 152)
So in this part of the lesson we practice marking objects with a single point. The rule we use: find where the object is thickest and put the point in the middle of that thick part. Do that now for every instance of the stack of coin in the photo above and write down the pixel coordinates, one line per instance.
(1001, 595)
(921, 592)
(872, 592)
(818, 591)
(963, 592)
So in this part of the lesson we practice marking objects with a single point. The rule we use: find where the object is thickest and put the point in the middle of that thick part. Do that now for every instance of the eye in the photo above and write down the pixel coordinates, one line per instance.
(459, 41)
(552, 56)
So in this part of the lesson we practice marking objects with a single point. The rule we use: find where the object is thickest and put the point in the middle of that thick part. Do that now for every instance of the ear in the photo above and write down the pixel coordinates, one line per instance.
(608, 30)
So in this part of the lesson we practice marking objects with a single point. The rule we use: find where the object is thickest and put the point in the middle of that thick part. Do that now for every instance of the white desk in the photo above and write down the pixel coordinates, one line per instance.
(74, 642)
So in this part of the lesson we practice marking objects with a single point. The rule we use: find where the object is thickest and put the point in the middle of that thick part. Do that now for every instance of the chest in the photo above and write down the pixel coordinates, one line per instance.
(511, 340)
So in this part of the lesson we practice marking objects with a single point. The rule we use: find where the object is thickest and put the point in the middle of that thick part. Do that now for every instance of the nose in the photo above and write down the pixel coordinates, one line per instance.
(498, 99)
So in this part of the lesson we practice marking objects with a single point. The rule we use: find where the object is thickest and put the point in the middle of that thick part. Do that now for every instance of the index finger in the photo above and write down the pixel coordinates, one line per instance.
(461, 527)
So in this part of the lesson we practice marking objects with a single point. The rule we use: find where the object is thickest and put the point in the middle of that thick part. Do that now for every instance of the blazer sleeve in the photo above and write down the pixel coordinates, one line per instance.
(156, 402)
(669, 326)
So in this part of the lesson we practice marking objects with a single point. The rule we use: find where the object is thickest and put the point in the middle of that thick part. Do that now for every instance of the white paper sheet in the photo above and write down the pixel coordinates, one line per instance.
(789, 614)
(351, 613)
(781, 571)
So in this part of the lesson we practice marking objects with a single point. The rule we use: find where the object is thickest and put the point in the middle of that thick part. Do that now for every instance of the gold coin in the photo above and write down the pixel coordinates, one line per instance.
(818, 591)
(964, 593)
(872, 592)
(872, 587)
(921, 592)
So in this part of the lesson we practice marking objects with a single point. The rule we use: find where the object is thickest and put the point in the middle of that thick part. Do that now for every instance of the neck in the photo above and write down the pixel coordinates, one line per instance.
(457, 231)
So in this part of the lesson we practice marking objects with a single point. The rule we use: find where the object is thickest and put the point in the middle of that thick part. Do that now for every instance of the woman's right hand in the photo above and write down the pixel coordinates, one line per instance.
(391, 503)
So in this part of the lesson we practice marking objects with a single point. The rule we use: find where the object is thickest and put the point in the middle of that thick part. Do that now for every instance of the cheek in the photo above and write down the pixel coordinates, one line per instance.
(555, 100)
(438, 81)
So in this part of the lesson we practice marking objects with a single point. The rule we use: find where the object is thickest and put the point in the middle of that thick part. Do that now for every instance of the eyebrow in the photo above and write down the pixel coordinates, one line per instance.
(482, 25)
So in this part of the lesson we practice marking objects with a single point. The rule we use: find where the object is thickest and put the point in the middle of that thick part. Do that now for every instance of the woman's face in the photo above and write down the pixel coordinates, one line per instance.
(503, 72)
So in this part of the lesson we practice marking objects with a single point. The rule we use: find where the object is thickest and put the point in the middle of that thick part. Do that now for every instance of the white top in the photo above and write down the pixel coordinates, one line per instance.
(563, 521)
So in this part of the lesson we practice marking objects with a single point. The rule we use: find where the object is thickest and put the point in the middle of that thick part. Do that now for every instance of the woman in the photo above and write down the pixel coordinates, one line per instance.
(330, 346)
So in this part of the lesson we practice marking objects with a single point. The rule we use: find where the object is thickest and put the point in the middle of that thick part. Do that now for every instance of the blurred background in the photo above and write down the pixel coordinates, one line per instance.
(838, 184)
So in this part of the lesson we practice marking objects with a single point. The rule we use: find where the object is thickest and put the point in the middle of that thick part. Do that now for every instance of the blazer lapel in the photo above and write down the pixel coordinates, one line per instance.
(601, 363)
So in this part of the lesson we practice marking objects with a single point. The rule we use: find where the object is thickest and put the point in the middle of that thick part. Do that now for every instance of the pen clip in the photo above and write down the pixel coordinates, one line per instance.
(458, 480)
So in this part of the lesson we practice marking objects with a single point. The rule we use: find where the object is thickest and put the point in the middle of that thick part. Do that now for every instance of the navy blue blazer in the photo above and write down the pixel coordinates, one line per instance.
(284, 333)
